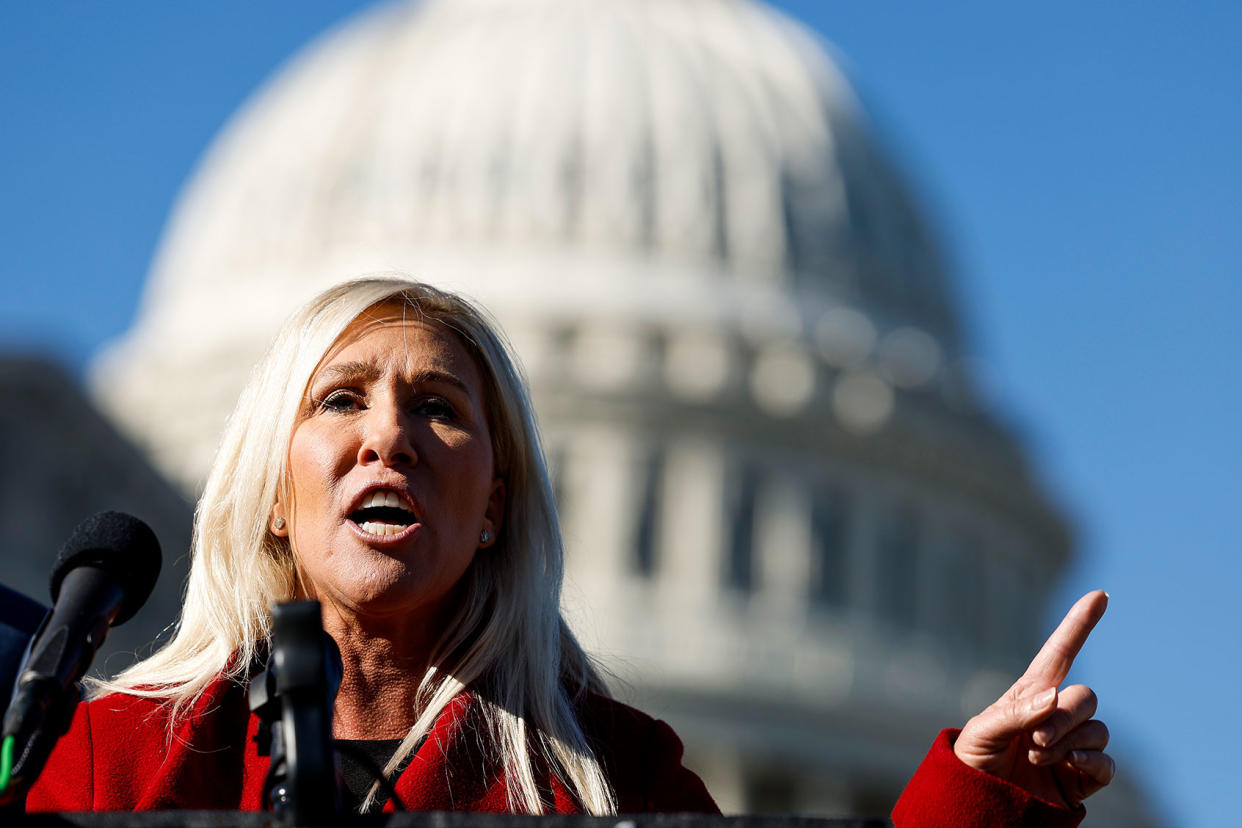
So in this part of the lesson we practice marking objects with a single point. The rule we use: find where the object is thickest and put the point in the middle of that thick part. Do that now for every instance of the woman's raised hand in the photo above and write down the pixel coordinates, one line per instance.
(1041, 738)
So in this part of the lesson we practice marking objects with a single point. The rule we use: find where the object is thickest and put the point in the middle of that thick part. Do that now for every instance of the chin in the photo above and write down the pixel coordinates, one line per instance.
(382, 597)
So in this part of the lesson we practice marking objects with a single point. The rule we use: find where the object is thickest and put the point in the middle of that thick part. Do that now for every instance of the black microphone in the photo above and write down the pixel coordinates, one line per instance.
(293, 699)
(103, 574)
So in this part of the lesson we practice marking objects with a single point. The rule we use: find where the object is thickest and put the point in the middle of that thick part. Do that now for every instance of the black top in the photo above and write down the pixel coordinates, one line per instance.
(358, 775)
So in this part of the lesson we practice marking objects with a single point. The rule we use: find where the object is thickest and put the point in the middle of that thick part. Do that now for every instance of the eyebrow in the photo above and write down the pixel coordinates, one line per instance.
(368, 372)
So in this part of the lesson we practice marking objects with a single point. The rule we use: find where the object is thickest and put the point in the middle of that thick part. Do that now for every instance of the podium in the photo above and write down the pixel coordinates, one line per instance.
(234, 819)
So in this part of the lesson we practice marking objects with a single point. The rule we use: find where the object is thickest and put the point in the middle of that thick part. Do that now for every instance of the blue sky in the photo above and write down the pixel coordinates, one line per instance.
(1085, 163)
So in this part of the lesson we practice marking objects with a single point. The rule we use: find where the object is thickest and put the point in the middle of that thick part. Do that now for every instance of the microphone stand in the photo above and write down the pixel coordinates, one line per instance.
(293, 699)
(47, 691)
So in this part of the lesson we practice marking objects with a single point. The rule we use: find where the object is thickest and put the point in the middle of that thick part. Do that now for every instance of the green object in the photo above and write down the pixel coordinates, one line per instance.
(6, 762)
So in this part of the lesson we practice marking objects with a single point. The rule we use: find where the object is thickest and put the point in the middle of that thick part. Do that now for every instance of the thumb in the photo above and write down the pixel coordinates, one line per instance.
(992, 732)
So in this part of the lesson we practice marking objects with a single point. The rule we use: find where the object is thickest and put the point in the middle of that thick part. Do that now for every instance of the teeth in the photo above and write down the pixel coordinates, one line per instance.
(382, 528)
(382, 498)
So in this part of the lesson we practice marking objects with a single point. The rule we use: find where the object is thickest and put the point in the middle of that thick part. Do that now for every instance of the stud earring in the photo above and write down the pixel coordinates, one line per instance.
(485, 536)
(278, 524)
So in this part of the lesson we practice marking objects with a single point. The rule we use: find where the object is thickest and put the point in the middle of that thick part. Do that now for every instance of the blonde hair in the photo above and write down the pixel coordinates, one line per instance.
(508, 638)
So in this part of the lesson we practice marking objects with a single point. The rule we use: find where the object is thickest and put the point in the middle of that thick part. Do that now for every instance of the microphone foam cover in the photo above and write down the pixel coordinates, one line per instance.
(121, 545)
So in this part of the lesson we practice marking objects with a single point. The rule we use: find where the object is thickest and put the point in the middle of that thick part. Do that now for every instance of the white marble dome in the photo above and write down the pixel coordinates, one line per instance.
(699, 160)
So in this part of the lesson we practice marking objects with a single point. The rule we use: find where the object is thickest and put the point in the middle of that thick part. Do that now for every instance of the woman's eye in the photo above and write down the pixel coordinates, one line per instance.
(435, 408)
(340, 401)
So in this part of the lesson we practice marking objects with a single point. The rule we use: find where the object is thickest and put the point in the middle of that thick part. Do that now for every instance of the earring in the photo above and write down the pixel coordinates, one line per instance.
(485, 537)
(278, 524)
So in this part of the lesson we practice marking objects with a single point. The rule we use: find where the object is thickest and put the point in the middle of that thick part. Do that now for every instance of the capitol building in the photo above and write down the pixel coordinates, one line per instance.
(796, 530)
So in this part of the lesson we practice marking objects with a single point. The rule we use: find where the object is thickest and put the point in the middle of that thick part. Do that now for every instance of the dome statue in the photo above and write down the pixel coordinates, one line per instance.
(780, 495)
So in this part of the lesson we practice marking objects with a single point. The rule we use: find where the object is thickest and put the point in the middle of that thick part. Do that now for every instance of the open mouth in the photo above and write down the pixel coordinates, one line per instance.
(383, 513)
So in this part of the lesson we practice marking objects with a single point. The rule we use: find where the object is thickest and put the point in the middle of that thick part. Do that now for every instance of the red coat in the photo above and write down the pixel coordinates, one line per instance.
(119, 755)
(946, 793)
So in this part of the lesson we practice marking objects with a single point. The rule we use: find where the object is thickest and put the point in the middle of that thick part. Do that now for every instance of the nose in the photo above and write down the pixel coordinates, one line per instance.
(386, 438)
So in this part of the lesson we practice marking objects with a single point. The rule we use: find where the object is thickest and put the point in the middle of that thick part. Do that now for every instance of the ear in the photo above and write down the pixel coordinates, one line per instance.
(494, 516)
(278, 524)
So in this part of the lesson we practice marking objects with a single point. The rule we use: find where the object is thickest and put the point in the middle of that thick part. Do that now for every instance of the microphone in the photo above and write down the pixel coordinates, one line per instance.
(103, 574)
(293, 699)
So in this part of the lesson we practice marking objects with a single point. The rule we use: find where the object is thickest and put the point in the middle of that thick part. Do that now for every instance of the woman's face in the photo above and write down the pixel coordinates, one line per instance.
(392, 479)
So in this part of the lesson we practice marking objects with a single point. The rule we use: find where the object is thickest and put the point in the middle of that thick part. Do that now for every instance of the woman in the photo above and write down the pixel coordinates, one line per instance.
(384, 460)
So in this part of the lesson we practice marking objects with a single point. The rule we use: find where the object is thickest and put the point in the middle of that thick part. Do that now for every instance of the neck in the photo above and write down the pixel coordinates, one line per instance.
(384, 665)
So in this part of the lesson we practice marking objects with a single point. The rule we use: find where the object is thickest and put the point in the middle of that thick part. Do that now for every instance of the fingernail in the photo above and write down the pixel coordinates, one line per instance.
(1037, 757)
(1043, 736)
(1044, 699)
(1077, 757)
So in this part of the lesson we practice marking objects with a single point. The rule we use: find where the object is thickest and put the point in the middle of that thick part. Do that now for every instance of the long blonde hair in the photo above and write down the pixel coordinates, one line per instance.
(508, 636)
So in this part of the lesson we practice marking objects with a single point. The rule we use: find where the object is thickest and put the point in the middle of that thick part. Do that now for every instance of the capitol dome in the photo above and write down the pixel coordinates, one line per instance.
(697, 159)
(780, 495)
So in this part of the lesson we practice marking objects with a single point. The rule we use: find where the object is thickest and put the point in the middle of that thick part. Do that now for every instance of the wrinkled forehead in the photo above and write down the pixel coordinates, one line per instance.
(398, 336)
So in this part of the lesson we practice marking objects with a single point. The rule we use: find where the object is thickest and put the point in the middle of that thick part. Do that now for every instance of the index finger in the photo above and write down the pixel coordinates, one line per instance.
(1053, 661)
